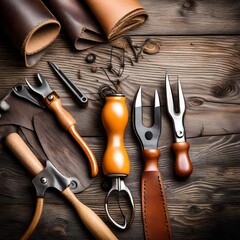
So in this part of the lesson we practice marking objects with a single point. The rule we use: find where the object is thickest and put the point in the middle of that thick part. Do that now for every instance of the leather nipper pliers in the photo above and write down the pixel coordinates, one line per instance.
(183, 165)
(50, 177)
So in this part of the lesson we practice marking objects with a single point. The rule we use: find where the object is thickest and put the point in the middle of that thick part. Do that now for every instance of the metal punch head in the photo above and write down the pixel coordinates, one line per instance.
(118, 185)
(177, 117)
(43, 90)
(148, 136)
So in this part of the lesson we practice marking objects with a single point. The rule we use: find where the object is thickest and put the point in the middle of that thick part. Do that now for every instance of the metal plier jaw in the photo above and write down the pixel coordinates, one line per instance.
(148, 136)
(43, 90)
(118, 185)
(177, 118)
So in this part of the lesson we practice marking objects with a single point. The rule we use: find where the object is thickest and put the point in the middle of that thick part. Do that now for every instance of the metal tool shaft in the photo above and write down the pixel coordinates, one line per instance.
(79, 95)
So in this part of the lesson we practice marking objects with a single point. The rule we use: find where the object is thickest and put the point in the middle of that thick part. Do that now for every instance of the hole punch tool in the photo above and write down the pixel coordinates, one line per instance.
(50, 177)
(154, 205)
(183, 165)
(43, 95)
(116, 164)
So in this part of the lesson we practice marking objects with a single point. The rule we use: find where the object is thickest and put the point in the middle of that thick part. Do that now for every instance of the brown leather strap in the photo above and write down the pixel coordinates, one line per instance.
(154, 205)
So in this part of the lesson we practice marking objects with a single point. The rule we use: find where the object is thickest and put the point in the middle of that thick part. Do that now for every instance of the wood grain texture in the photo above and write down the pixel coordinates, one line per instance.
(200, 42)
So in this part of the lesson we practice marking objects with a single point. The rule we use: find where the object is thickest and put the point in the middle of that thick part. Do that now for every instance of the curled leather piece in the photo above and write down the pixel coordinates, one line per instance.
(77, 21)
(118, 16)
(30, 26)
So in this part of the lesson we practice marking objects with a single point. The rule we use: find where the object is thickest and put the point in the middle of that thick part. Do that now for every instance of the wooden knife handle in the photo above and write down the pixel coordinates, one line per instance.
(90, 219)
(19, 148)
(183, 164)
(68, 123)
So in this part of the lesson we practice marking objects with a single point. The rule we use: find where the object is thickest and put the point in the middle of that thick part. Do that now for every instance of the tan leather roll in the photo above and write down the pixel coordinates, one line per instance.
(77, 22)
(117, 16)
(30, 26)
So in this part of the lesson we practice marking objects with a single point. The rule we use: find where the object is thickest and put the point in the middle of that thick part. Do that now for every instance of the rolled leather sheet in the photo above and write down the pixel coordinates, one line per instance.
(117, 16)
(77, 22)
(30, 26)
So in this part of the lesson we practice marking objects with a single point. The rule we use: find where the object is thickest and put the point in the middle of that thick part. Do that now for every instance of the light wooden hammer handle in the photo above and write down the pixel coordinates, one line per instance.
(19, 148)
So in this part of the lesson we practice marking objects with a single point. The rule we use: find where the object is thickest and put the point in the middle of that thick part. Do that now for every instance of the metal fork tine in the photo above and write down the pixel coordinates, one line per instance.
(181, 98)
(40, 78)
(156, 99)
(138, 109)
(169, 96)
(29, 85)
(157, 112)
(138, 100)
(44, 83)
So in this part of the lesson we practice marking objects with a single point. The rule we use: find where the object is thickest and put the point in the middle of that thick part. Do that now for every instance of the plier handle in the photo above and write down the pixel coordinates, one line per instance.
(50, 177)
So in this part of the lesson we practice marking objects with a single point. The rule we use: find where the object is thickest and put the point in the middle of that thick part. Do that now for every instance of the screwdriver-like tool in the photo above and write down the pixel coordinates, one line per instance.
(79, 95)
(116, 162)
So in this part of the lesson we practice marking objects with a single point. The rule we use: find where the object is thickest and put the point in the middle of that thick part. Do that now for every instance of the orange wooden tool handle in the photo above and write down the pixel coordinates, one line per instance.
(90, 219)
(150, 157)
(69, 124)
(183, 164)
(91, 157)
(115, 118)
(35, 220)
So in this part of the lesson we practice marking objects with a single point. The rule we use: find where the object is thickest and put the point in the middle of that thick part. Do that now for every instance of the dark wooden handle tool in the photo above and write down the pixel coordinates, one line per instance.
(183, 165)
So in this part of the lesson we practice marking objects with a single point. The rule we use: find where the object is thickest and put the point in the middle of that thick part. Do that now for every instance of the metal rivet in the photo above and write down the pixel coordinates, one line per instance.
(43, 180)
(179, 133)
(90, 58)
(50, 97)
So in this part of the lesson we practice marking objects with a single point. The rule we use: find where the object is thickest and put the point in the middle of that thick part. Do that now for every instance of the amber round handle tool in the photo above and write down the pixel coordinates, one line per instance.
(116, 163)
(94, 224)
(114, 119)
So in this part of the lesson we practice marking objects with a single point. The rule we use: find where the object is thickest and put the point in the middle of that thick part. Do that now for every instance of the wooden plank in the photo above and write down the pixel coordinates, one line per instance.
(205, 206)
(190, 17)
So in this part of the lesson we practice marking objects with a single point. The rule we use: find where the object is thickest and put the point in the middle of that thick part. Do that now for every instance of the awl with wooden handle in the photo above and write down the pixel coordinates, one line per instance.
(183, 164)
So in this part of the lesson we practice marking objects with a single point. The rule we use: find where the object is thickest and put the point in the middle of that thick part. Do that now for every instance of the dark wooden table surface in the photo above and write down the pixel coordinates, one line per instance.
(199, 42)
